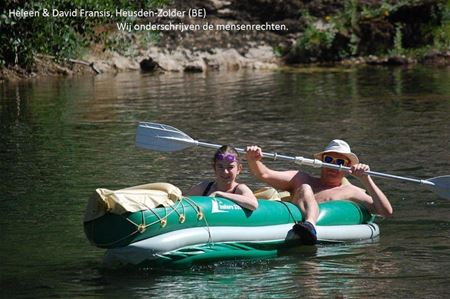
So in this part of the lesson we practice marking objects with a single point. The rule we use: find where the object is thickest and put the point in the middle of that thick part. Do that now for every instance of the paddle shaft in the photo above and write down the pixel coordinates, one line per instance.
(319, 164)
(165, 138)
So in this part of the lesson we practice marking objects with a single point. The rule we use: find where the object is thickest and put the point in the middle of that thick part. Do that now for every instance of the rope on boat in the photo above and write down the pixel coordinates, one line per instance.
(182, 216)
(143, 226)
(201, 216)
(117, 241)
(289, 210)
(210, 240)
(140, 228)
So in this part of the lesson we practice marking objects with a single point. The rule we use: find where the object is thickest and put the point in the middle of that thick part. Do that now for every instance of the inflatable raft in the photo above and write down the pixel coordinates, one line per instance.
(157, 227)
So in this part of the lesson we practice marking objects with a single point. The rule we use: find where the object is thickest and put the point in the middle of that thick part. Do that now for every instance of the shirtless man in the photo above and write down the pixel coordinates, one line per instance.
(308, 191)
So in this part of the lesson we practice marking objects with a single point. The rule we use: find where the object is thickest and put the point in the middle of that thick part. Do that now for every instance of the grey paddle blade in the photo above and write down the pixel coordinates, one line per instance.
(441, 185)
(162, 138)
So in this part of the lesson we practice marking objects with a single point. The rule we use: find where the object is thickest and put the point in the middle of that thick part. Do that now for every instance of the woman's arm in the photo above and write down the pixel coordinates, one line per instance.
(243, 197)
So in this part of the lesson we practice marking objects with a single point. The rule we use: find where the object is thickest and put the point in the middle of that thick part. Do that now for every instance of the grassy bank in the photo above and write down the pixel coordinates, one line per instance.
(59, 36)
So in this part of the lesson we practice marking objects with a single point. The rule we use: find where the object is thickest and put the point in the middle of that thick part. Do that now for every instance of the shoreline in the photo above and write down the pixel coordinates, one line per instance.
(160, 60)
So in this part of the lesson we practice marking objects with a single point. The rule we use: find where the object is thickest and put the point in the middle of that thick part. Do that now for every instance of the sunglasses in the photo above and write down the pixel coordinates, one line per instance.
(337, 161)
(227, 157)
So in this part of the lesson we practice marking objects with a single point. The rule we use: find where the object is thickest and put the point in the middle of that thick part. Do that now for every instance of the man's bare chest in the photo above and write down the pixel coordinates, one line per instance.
(335, 193)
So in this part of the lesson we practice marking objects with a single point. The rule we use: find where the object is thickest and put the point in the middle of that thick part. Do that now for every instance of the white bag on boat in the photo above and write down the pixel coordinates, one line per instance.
(133, 199)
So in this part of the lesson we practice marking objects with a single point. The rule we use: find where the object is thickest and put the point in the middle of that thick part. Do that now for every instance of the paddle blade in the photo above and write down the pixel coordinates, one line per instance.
(441, 186)
(162, 138)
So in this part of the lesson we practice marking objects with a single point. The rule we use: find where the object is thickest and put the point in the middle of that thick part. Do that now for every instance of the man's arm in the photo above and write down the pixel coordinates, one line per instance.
(378, 201)
(283, 180)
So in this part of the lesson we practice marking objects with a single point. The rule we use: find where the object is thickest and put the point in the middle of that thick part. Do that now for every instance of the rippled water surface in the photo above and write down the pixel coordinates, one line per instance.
(62, 138)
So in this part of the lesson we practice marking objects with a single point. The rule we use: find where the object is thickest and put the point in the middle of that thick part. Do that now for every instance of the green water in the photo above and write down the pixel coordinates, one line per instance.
(62, 138)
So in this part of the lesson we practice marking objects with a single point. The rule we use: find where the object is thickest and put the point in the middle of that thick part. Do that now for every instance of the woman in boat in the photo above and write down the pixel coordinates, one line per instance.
(308, 191)
(227, 166)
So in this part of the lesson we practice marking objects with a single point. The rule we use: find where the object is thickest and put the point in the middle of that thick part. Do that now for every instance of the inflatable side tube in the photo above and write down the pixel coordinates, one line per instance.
(112, 231)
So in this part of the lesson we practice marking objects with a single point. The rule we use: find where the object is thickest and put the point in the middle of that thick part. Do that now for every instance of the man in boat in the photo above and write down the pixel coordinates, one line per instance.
(307, 191)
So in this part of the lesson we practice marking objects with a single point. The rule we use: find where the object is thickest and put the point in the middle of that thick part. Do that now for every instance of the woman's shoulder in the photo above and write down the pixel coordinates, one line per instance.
(205, 183)
(243, 187)
(199, 188)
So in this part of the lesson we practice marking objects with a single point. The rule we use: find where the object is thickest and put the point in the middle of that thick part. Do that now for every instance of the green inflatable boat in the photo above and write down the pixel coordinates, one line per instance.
(156, 226)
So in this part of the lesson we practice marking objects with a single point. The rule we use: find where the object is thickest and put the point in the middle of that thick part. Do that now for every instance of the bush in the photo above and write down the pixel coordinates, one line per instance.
(62, 37)
(382, 28)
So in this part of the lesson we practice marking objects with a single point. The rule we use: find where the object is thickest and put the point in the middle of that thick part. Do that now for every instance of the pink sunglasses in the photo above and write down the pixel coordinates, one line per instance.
(227, 157)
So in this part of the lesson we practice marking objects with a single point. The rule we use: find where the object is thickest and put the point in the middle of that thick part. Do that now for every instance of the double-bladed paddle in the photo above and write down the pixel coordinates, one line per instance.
(165, 138)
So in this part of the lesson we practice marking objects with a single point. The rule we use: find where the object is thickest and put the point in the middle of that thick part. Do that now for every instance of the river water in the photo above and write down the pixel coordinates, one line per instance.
(62, 138)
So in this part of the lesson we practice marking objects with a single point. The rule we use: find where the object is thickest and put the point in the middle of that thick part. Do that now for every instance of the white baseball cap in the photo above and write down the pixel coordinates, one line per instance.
(341, 147)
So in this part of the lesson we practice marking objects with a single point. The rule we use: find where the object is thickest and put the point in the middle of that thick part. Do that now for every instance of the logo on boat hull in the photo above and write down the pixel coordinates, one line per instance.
(217, 206)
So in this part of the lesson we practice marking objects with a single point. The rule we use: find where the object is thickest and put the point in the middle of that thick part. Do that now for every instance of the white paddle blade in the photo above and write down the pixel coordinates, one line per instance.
(441, 186)
(162, 138)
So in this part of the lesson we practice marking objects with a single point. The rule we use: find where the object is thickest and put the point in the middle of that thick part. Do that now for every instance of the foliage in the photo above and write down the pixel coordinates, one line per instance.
(398, 48)
(441, 34)
(316, 40)
(126, 44)
(62, 37)
(341, 35)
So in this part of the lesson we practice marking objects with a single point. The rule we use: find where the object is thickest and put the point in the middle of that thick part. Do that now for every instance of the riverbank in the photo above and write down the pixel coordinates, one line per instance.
(185, 60)
(319, 32)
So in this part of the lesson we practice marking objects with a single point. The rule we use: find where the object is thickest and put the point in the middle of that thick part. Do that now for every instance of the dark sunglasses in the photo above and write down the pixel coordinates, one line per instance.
(338, 161)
